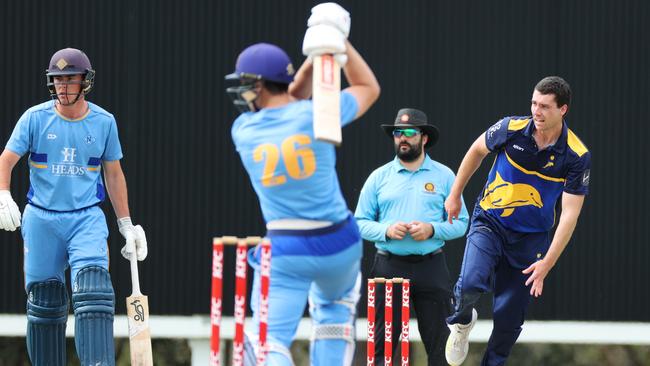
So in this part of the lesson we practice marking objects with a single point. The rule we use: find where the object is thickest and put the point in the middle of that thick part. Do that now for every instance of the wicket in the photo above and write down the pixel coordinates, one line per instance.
(388, 320)
(240, 296)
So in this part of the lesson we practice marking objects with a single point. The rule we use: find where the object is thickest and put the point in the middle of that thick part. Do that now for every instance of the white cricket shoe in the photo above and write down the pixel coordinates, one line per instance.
(457, 343)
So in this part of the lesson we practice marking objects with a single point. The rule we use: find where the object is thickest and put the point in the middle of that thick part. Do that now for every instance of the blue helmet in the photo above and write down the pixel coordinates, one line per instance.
(70, 61)
(263, 61)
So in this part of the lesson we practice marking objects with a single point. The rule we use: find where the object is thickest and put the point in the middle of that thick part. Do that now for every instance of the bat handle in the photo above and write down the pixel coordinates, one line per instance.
(135, 279)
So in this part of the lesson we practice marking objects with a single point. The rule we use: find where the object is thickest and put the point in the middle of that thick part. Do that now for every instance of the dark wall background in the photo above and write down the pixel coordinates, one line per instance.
(160, 67)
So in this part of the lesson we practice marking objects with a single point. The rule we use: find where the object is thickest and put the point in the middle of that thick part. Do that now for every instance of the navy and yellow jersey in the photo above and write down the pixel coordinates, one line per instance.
(293, 175)
(525, 183)
(65, 155)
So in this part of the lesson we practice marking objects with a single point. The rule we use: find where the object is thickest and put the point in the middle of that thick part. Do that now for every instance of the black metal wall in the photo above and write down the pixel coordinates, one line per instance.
(160, 67)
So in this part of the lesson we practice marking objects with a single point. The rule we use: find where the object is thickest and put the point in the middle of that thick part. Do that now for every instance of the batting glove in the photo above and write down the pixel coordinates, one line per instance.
(324, 39)
(136, 240)
(9, 212)
(332, 14)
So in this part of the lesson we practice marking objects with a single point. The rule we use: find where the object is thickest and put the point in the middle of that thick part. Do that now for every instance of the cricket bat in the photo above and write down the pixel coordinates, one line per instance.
(326, 99)
(137, 313)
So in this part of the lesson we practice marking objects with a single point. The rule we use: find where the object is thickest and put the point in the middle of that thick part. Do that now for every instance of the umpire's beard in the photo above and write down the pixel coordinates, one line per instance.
(412, 153)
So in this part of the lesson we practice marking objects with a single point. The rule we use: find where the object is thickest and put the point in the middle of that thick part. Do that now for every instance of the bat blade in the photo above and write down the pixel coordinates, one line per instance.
(139, 337)
(326, 99)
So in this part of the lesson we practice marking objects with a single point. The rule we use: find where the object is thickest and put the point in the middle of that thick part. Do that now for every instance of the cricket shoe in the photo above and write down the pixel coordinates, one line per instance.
(458, 343)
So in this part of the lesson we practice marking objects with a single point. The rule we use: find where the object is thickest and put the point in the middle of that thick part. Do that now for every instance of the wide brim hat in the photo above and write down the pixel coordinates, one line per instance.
(410, 118)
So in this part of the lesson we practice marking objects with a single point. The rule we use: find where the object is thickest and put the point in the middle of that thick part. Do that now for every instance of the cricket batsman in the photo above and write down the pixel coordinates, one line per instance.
(73, 148)
(316, 242)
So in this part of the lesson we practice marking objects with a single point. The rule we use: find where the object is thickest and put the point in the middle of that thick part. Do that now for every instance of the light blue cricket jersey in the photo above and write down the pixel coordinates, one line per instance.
(392, 193)
(65, 155)
(293, 175)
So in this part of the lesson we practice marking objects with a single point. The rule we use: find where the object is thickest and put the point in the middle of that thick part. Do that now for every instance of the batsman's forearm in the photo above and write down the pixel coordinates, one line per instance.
(5, 176)
(8, 160)
(116, 188)
(357, 71)
(301, 87)
(363, 84)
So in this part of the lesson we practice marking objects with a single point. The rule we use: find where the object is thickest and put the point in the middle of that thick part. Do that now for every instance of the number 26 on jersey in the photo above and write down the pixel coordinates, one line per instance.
(296, 154)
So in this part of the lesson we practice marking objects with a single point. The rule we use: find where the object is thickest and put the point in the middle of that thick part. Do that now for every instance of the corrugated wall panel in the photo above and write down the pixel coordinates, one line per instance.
(160, 67)
(607, 52)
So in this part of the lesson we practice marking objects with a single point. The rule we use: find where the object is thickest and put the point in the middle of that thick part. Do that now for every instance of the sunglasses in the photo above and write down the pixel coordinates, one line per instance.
(408, 132)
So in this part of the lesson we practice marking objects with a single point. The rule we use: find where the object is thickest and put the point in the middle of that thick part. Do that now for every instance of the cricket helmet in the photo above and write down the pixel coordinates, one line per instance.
(70, 61)
(263, 61)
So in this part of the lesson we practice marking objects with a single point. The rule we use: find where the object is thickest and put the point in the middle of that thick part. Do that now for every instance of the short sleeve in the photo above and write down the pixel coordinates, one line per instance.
(496, 136)
(349, 108)
(234, 130)
(577, 179)
(113, 149)
(20, 138)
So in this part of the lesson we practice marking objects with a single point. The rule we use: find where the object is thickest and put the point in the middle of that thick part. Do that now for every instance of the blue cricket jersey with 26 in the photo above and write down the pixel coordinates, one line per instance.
(282, 158)
(65, 155)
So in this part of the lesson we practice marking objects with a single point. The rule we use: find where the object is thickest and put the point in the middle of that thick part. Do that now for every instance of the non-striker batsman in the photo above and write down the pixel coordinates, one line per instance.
(70, 143)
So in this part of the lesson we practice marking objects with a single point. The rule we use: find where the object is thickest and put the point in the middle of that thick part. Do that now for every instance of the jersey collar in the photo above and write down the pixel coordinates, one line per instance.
(427, 164)
(70, 119)
(560, 144)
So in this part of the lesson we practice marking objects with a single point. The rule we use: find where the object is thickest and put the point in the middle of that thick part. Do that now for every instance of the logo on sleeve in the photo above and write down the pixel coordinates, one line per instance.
(585, 177)
(494, 129)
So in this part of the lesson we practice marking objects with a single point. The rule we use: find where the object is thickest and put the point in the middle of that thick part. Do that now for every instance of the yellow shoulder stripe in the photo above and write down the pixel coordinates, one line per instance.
(575, 144)
(526, 171)
(517, 124)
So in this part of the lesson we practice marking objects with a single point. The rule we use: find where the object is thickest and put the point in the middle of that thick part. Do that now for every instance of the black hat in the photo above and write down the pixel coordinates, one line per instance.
(410, 117)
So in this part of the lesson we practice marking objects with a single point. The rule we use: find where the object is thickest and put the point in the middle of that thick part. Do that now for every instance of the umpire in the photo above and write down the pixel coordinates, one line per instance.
(401, 210)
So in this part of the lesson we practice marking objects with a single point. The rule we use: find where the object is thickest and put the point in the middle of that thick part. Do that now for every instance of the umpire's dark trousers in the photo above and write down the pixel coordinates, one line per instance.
(430, 301)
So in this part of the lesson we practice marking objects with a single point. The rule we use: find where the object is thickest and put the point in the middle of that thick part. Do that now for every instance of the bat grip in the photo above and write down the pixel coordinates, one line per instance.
(135, 279)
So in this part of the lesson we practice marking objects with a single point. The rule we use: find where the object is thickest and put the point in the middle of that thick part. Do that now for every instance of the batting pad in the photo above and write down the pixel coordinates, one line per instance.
(94, 307)
(47, 313)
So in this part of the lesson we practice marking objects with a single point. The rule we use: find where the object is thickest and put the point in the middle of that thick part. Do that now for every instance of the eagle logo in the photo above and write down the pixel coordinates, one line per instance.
(507, 196)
